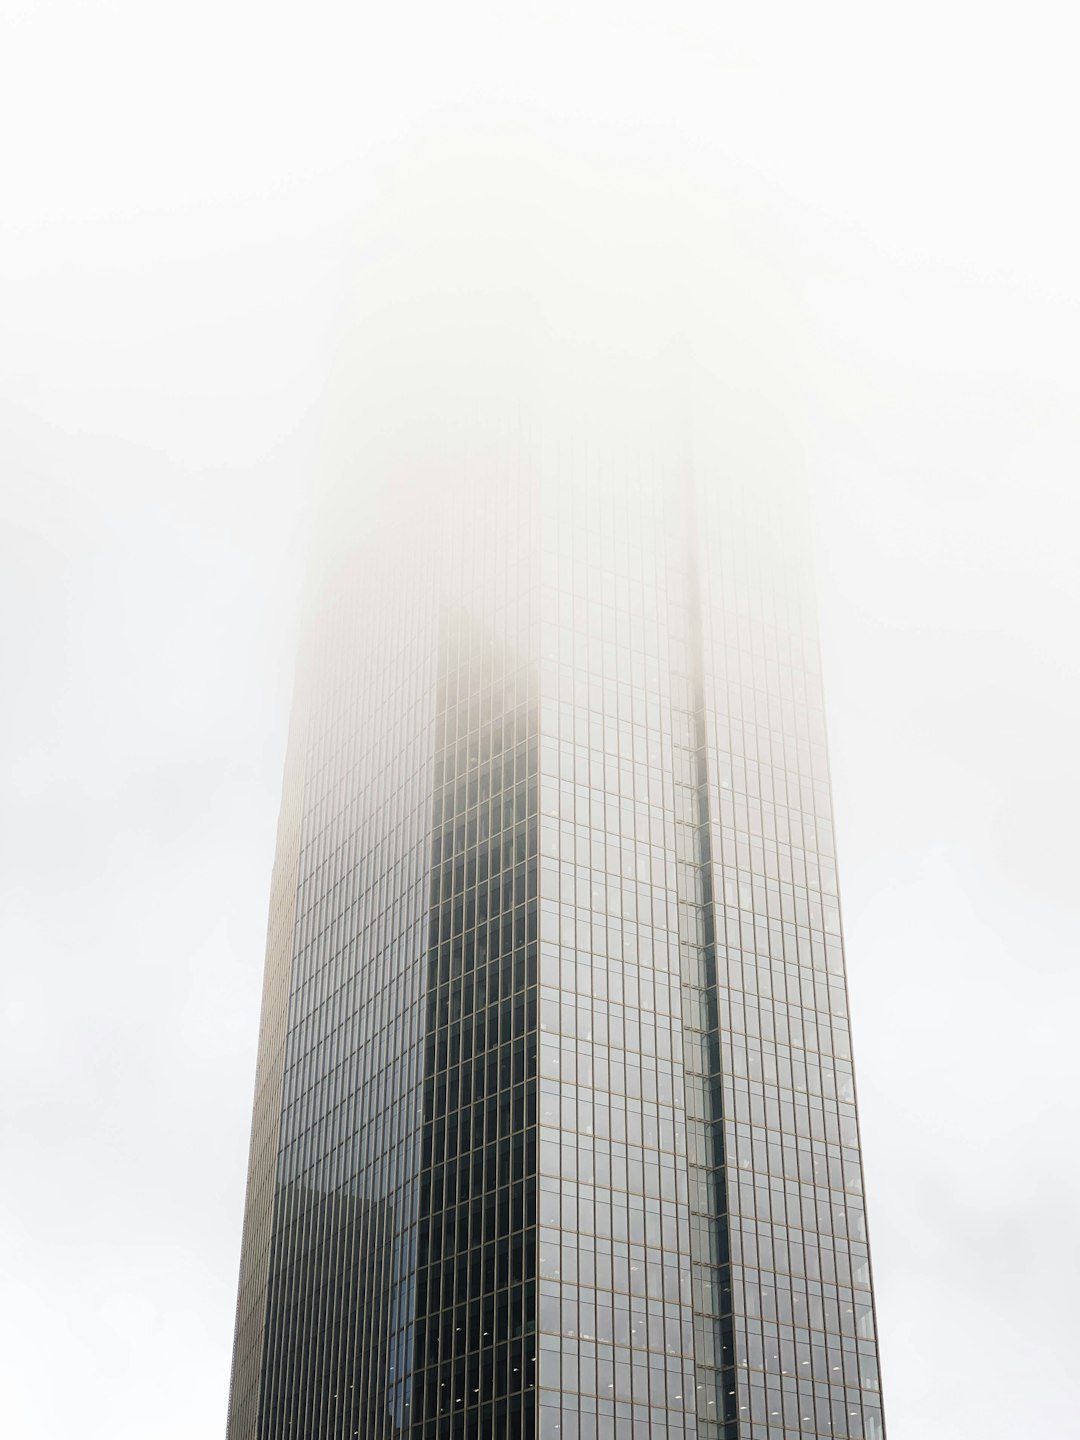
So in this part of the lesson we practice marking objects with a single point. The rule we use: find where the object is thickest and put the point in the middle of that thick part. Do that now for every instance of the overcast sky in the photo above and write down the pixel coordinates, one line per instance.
(177, 191)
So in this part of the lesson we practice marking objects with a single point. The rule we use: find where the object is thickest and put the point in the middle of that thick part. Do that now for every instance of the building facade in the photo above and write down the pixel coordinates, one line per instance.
(555, 1131)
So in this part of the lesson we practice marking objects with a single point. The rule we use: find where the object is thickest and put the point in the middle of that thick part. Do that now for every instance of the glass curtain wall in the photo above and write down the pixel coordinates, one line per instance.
(555, 1133)
(804, 1335)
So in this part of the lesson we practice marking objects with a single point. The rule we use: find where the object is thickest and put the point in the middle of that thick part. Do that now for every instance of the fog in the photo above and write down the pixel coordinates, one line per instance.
(231, 239)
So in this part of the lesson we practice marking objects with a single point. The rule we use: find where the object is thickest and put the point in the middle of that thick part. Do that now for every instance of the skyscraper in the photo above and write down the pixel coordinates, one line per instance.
(555, 1130)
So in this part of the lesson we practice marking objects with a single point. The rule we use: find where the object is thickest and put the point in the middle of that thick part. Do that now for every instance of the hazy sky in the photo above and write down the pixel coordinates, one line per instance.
(177, 188)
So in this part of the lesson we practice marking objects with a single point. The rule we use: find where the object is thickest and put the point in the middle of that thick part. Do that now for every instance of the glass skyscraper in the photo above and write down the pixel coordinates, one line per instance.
(555, 1131)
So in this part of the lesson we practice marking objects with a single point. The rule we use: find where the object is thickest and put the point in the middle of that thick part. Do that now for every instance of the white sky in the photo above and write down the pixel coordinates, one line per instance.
(175, 186)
